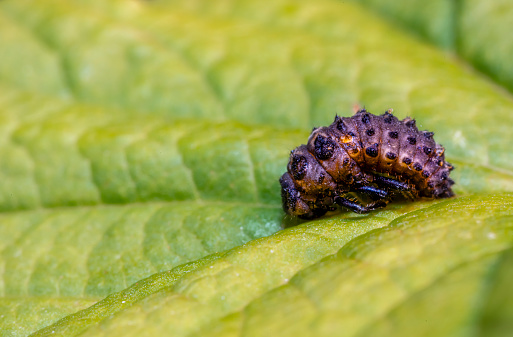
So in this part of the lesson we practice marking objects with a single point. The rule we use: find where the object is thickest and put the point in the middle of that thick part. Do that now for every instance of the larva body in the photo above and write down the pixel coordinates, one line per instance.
(365, 153)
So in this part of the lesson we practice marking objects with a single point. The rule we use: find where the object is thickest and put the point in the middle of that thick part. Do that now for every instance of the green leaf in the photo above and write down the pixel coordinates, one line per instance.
(142, 143)
(497, 316)
(435, 20)
(471, 28)
(19, 316)
(378, 283)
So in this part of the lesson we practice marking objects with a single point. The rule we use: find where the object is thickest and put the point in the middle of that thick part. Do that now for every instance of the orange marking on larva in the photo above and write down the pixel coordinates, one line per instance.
(346, 139)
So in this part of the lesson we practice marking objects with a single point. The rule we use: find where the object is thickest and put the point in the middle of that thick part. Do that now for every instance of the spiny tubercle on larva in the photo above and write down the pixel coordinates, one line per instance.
(379, 156)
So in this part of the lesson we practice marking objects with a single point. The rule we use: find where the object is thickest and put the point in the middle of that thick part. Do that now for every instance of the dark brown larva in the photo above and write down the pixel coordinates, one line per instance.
(379, 156)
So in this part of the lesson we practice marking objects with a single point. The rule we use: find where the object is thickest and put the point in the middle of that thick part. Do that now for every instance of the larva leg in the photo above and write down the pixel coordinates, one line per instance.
(408, 195)
(373, 192)
(356, 207)
(391, 183)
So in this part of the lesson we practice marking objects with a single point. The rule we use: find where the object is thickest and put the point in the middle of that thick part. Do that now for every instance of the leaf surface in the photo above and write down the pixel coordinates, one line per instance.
(472, 29)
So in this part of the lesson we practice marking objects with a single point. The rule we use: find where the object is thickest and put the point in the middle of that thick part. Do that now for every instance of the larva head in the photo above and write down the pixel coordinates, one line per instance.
(291, 199)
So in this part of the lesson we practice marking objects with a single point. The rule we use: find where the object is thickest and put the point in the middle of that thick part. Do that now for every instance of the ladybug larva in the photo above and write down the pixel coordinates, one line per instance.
(376, 156)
